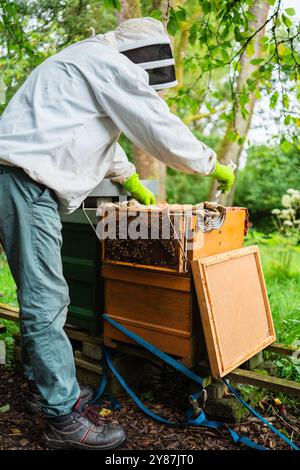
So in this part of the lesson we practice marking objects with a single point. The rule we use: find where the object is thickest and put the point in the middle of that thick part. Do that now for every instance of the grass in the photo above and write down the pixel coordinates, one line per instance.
(281, 265)
(8, 296)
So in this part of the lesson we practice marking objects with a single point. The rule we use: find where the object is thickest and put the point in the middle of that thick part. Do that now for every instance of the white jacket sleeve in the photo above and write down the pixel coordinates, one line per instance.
(121, 168)
(138, 111)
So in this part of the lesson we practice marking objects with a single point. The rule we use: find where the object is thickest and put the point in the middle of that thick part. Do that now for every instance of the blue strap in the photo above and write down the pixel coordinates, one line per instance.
(156, 352)
(102, 385)
(115, 404)
(201, 419)
(262, 419)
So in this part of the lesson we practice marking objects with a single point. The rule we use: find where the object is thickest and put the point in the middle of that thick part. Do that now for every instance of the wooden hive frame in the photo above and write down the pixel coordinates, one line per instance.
(179, 246)
(230, 236)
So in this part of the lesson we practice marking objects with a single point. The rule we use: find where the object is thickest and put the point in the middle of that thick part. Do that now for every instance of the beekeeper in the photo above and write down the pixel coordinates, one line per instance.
(58, 140)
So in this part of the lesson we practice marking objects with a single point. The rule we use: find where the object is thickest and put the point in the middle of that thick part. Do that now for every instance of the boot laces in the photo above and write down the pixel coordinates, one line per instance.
(92, 415)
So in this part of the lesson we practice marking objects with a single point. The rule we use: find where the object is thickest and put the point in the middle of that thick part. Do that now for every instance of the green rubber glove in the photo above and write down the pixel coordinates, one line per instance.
(224, 175)
(138, 191)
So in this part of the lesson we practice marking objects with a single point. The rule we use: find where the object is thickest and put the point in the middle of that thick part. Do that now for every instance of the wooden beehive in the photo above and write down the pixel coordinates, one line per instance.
(175, 254)
(159, 307)
(234, 307)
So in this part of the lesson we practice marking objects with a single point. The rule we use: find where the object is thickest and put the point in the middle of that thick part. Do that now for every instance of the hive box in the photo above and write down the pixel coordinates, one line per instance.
(159, 307)
(187, 241)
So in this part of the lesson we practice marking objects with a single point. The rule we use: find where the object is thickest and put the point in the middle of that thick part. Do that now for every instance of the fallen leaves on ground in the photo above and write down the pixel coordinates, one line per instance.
(20, 430)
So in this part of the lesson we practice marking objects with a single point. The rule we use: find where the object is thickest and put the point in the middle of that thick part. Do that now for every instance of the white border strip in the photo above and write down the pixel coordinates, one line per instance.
(145, 42)
(164, 85)
(157, 64)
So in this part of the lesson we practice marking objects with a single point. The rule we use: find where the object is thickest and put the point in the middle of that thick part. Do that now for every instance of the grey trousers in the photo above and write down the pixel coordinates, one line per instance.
(30, 232)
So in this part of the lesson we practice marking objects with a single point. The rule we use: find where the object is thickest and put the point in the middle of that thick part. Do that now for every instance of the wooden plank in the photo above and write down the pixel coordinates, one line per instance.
(234, 307)
(157, 308)
(281, 349)
(7, 312)
(12, 314)
(143, 266)
(229, 236)
(153, 327)
(138, 276)
(83, 337)
(87, 364)
(265, 381)
(171, 344)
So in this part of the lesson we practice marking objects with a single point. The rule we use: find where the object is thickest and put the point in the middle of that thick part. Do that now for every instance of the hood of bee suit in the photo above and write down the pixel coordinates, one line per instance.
(145, 42)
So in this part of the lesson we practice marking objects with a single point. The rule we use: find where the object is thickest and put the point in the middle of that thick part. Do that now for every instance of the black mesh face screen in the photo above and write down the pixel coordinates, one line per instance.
(161, 75)
(149, 53)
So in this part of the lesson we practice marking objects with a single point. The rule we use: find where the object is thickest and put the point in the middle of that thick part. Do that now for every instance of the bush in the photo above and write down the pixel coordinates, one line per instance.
(268, 174)
(189, 189)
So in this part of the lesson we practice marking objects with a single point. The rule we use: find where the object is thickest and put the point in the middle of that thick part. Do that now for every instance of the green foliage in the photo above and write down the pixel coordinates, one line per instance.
(7, 296)
(281, 265)
(43, 28)
(219, 37)
(175, 18)
(186, 189)
(7, 286)
(189, 189)
(269, 172)
(112, 4)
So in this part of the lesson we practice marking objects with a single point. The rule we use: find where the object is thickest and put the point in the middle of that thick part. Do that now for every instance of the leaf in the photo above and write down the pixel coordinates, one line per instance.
(285, 101)
(274, 99)
(231, 136)
(250, 49)
(277, 401)
(237, 34)
(225, 55)
(181, 14)
(286, 146)
(281, 49)
(287, 21)
(261, 405)
(272, 444)
(157, 14)
(5, 408)
(24, 442)
(225, 32)
(193, 33)
(15, 432)
(172, 26)
(206, 7)
(250, 16)
(256, 61)
(290, 11)
(112, 4)
(297, 122)
(105, 412)
(264, 40)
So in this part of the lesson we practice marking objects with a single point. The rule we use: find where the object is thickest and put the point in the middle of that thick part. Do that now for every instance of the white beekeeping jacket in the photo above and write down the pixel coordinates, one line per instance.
(63, 124)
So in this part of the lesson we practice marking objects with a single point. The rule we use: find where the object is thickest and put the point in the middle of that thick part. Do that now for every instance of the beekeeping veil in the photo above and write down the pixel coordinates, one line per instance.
(145, 42)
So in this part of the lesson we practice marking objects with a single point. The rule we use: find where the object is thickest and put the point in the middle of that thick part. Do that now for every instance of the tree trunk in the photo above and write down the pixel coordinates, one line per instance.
(147, 166)
(232, 150)
(129, 9)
